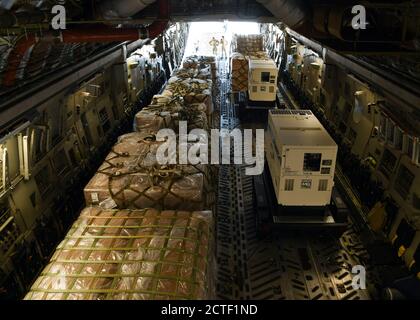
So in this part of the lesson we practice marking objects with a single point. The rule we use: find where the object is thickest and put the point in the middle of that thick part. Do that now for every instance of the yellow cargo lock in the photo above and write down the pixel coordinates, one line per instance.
(401, 251)
(377, 217)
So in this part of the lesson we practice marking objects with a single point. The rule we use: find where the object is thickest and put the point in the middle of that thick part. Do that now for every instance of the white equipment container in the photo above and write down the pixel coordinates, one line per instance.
(262, 80)
(302, 158)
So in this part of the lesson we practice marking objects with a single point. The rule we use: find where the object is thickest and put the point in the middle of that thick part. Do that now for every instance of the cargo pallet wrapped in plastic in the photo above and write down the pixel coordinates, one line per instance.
(201, 62)
(246, 44)
(239, 71)
(258, 55)
(193, 91)
(166, 113)
(202, 74)
(240, 68)
(132, 178)
(132, 255)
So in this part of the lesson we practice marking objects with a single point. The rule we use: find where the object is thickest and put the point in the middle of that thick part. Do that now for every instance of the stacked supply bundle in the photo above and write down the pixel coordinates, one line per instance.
(193, 91)
(131, 255)
(187, 97)
(258, 55)
(203, 74)
(166, 112)
(240, 69)
(246, 44)
(201, 62)
(245, 47)
(132, 177)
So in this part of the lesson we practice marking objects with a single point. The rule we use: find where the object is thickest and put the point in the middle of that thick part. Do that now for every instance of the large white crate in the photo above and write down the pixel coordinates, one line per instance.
(302, 158)
(262, 80)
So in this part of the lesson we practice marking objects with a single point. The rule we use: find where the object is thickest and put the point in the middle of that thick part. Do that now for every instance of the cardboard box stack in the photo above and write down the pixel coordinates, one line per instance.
(245, 47)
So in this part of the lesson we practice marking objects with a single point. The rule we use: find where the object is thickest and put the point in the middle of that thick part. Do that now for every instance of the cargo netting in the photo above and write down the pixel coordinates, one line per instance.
(132, 178)
(131, 255)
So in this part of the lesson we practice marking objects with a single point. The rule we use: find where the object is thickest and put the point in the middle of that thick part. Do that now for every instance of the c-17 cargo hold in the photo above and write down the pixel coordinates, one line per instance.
(88, 211)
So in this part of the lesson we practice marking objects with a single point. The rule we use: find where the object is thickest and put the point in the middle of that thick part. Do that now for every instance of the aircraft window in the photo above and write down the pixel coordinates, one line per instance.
(312, 162)
(404, 182)
(388, 163)
(265, 76)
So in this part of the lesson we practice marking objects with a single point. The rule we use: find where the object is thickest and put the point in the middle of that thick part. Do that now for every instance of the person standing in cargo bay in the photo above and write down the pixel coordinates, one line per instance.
(197, 46)
(223, 44)
(214, 43)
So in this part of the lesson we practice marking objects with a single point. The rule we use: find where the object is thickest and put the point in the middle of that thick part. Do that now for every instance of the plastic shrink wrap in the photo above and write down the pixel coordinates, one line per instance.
(246, 44)
(203, 74)
(131, 255)
(240, 68)
(165, 113)
(192, 91)
(201, 62)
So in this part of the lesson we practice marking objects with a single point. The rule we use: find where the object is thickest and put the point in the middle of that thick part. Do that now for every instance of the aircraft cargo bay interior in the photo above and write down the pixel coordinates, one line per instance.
(209, 150)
